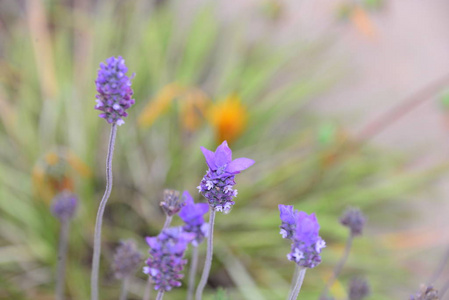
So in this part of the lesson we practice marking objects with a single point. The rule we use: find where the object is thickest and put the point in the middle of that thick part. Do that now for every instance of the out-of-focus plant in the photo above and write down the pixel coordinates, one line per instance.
(48, 57)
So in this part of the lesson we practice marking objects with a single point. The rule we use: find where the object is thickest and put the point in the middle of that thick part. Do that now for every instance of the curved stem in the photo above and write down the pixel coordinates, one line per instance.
(62, 258)
(192, 272)
(99, 220)
(339, 267)
(208, 262)
(167, 222)
(160, 295)
(125, 285)
(297, 287)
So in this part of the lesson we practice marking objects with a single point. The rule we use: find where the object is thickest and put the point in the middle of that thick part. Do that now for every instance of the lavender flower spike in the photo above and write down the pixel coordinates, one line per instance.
(302, 229)
(114, 91)
(166, 261)
(114, 98)
(127, 260)
(64, 208)
(217, 185)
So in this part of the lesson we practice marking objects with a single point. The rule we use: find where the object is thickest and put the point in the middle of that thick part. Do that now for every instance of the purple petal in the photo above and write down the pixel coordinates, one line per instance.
(187, 198)
(210, 158)
(223, 155)
(202, 208)
(239, 164)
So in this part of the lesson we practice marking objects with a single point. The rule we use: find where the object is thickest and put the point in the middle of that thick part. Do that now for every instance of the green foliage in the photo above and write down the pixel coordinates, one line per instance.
(46, 103)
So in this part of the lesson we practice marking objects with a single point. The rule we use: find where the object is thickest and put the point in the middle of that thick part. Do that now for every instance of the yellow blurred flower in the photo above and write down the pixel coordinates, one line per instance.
(229, 118)
(192, 101)
(363, 22)
(53, 173)
(159, 104)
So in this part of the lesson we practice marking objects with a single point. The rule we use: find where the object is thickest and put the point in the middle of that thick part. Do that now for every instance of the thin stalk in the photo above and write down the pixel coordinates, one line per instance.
(294, 280)
(444, 290)
(297, 287)
(339, 267)
(160, 295)
(99, 220)
(62, 258)
(167, 222)
(377, 126)
(125, 285)
(147, 292)
(440, 268)
(192, 272)
(208, 262)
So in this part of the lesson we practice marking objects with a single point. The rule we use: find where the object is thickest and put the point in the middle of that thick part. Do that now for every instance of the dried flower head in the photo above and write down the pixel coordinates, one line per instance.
(171, 204)
(303, 230)
(127, 259)
(217, 185)
(64, 205)
(193, 216)
(426, 293)
(166, 260)
(354, 219)
(358, 289)
(114, 90)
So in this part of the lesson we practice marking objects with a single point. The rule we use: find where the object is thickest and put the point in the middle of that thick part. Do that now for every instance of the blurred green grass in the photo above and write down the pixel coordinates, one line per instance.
(49, 57)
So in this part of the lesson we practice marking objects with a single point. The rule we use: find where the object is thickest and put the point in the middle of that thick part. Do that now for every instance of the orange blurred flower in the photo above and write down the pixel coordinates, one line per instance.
(53, 173)
(229, 118)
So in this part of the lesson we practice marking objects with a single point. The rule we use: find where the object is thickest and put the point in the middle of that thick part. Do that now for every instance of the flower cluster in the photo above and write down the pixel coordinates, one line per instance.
(193, 216)
(64, 205)
(126, 259)
(171, 204)
(114, 90)
(426, 293)
(303, 230)
(358, 289)
(166, 261)
(217, 185)
(354, 219)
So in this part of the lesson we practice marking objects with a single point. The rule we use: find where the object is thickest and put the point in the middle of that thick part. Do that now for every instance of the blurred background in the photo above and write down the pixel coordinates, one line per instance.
(340, 103)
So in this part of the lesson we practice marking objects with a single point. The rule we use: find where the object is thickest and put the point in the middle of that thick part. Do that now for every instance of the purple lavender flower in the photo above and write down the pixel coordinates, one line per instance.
(217, 185)
(354, 219)
(126, 259)
(171, 204)
(114, 90)
(193, 216)
(426, 293)
(358, 289)
(166, 262)
(303, 230)
(288, 218)
(64, 205)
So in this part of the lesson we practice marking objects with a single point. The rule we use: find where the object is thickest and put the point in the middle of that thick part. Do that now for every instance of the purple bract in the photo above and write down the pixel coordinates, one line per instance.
(193, 216)
(303, 230)
(217, 185)
(166, 261)
(114, 90)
